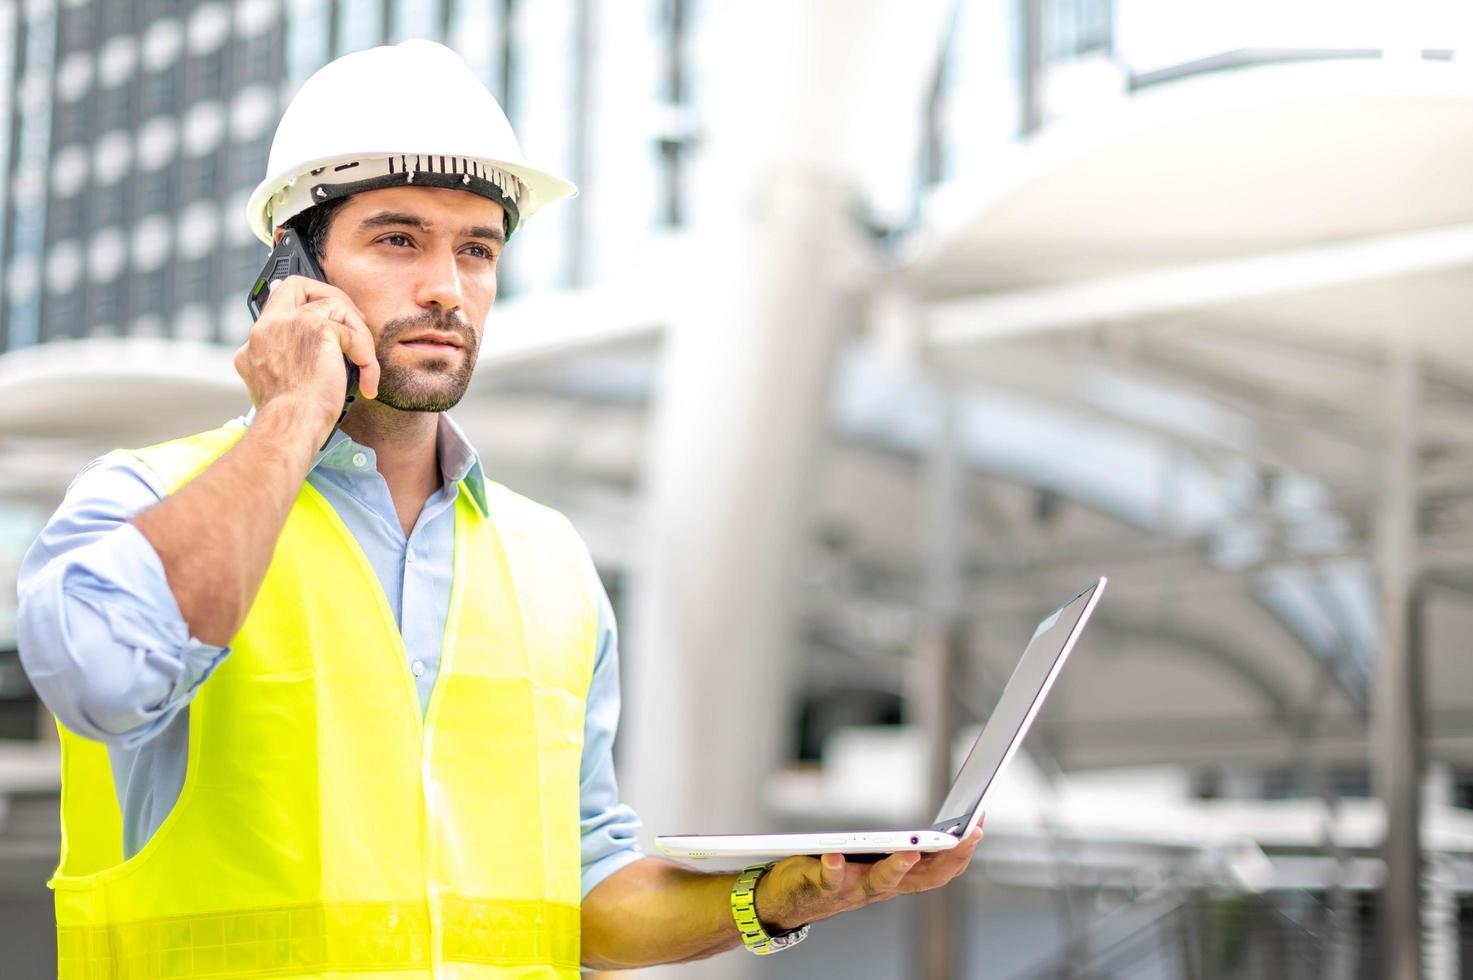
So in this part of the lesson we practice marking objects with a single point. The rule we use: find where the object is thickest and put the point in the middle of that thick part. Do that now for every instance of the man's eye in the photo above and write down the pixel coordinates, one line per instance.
(395, 239)
(481, 251)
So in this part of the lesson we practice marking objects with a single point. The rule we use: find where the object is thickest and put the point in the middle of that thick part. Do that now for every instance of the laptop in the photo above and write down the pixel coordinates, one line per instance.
(962, 809)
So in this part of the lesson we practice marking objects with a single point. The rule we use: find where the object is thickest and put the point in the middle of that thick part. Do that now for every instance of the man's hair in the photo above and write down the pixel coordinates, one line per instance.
(313, 224)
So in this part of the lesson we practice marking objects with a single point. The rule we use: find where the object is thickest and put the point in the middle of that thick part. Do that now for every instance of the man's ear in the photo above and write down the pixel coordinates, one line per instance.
(279, 232)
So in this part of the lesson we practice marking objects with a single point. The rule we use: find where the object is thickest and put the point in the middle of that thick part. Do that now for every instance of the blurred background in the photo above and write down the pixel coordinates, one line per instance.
(878, 330)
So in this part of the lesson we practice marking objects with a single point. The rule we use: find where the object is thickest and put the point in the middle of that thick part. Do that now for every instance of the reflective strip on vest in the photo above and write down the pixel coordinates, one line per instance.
(321, 938)
(323, 828)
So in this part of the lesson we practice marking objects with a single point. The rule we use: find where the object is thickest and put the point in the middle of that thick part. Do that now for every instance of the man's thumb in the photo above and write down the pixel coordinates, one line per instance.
(831, 872)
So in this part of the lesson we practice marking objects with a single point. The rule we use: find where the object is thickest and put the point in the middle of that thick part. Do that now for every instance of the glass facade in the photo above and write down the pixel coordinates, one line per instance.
(126, 118)
(1011, 67)
(26, 222)
(123, 118)
(541, 100)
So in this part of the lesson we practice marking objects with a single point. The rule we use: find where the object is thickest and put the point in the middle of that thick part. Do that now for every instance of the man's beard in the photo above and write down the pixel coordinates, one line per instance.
(432, 385)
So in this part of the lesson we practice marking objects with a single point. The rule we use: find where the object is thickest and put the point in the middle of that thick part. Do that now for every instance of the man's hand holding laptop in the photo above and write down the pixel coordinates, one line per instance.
(799, 890)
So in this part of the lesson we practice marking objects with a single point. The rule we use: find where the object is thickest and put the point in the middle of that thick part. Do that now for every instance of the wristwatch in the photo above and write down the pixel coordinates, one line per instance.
(744, 910)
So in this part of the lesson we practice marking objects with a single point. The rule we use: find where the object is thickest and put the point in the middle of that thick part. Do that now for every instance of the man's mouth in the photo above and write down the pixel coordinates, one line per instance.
(437, 345)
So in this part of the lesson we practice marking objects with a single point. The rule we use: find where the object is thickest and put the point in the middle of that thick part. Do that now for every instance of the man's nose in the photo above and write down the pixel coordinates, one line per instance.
(439, 283)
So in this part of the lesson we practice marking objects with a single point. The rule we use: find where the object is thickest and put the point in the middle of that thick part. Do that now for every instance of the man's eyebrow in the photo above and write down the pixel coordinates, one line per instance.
(497, 235)
(384, 218)
(403, 218)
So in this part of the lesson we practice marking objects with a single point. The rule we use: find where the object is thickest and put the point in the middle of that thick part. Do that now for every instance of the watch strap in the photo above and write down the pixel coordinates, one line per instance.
(744, 911)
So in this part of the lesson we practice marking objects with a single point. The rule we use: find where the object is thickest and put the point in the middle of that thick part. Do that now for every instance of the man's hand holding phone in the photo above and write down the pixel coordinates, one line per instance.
(297, 351)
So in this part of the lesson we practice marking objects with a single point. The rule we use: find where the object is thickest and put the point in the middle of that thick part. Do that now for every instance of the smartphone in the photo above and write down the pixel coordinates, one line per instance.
(291, 257)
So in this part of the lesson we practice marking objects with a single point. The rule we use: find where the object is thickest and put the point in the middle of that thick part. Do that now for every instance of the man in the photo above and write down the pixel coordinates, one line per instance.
(331, 702)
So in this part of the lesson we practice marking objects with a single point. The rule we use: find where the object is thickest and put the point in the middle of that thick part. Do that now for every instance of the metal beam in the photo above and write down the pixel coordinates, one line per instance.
(1396, 719)
(1286, 433)
(1189, 287)
(938, 647)
(1064, 378)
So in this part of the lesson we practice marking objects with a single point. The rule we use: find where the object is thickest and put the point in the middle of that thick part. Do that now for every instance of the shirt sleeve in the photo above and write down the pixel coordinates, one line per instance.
(101, 636)
(610, 828)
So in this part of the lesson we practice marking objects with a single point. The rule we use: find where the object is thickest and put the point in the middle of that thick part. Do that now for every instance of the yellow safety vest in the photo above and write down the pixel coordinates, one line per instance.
(323, 829)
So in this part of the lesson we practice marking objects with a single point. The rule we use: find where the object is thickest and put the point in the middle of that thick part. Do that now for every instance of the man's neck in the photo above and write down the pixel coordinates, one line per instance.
(406, 446)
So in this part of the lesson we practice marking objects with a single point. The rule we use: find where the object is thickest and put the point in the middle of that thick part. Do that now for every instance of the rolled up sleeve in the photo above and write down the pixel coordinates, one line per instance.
(610, 828)
(100, 634)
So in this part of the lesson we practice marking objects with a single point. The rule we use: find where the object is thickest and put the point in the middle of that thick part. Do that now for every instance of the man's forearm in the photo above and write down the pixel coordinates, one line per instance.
(216, 535)
(656, 911)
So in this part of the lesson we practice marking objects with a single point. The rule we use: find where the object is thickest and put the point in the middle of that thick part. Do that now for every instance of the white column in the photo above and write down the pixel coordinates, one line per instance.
(938, 651)
(769, 284)
(1396, 752)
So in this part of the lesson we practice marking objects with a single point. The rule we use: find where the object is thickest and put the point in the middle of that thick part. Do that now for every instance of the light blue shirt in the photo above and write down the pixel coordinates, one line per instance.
(103, 642)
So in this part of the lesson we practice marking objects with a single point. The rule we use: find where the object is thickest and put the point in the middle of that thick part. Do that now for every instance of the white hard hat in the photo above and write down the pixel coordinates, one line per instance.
(409, 113)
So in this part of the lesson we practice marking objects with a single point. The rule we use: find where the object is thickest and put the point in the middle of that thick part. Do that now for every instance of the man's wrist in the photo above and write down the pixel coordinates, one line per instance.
(759, 937)
(772, 910)
(293, 422)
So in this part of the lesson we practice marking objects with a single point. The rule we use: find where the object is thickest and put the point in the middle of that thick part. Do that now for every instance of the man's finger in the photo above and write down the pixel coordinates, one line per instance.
(935, 871)
(337, 311)
(939, 867)
(355, 340)
(359, 349)
(297, 291)
(328, 302)
(357, 346)
(885, 876)
(831, 872)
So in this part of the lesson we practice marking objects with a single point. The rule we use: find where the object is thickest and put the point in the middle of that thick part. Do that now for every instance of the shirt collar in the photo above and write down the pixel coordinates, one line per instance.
(458, 460)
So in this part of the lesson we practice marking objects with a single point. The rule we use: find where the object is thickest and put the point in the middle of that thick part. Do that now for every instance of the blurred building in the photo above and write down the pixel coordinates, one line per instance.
(876, 331)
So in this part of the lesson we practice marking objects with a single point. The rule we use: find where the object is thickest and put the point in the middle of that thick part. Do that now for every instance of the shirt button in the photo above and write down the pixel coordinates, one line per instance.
(409, 556)
(360, 460)
(418, 667)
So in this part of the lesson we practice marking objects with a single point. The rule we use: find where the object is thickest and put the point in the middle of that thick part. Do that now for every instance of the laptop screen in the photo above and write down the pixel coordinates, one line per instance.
(1010, 719)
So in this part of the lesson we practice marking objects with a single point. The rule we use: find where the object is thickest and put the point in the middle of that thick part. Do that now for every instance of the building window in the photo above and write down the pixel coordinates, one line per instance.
(153, 192)
(117, 18)
(32, 154)
(414, 20)
(66, 217)
(206, 76)
(246, 163)
(113, 105)
(194, 282)
(62, 316)
(1072, 28)
(105, 303)
(308, 29)
(197, 177)
(675, 89)
(108, 205)
(69, 122)
(242, 264)
(76, 28)
(155, 10)
(160, 91)
(255, 59)
(477, 32)
(360, 25)
(150, 291)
